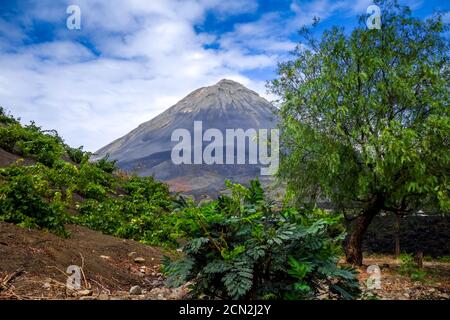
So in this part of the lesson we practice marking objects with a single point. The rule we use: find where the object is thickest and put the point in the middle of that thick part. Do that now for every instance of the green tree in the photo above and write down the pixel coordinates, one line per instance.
(365, 118)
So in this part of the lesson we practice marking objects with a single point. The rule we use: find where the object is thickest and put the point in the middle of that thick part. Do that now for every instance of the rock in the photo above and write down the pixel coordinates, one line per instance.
(132, 254)
(432, 290)
(135, 290)
(103, 296)
(85, 293)
(406, 295)
(143, 270)
(139, 260)
(323, 297)
(105, 257)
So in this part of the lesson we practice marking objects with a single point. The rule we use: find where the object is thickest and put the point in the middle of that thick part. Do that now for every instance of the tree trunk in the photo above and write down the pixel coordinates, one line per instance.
(397, 235)
(354, 245)
(419, 259)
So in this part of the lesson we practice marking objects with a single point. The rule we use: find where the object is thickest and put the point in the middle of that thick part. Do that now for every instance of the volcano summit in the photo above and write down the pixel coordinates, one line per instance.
(227, 105)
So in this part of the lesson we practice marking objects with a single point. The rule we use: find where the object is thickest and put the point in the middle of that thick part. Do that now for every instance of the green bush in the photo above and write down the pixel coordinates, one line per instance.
(409, 268)
(5, 118)
(77, 155)
(141, 213)
(10, 135)
(241, 248)
(28, 199)
(31, 141)
(129, 207)
(104, 216)
(106, 165)
(92, 182)
(444, 259)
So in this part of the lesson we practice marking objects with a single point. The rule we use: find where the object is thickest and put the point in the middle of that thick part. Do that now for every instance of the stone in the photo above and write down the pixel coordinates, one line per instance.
(135, 290)
(85, 293)
(139, 260)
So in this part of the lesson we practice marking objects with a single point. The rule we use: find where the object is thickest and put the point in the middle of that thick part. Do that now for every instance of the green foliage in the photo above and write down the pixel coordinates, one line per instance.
(28, 199)
(39, 195)
(106, 165)
(30, 141)
(445, 259)
(409, 268)
(240, 247)
(140, 213)
(6, 118)
(366, 114)
(77, 155)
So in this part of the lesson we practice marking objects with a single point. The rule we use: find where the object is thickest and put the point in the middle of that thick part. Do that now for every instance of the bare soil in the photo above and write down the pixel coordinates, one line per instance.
(394, 286)
(33, 263)
(8, 158)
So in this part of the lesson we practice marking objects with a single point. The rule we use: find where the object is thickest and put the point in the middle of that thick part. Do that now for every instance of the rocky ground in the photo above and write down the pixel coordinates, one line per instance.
(394, 286)
(33, 266)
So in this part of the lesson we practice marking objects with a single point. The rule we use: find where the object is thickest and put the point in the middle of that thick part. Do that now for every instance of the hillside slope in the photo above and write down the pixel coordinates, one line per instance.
(34, 262)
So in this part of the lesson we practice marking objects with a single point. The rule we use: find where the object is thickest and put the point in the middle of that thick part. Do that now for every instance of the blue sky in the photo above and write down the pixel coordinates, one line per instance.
(133, 59)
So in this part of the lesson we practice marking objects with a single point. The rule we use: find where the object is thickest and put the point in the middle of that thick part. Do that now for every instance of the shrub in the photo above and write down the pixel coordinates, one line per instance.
(92, 182)
(105, 216)
(10, 135)
(38, 195)
(5, 118)
(28, 199)
(106, 165)
(141, 213)
(444, 259)
(241, 248)
(149, 190)
(409, 268)
(77, 155)
(30, 141)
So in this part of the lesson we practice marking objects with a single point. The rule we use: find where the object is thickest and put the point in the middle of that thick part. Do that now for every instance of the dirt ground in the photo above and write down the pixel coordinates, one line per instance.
(394, 286)
(7, 159)
(33, 264)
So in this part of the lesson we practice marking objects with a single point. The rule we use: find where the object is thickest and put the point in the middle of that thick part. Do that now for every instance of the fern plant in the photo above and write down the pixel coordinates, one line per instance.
(240, 247)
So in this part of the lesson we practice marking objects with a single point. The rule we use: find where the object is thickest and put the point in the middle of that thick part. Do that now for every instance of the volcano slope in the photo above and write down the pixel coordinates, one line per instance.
(226, 105)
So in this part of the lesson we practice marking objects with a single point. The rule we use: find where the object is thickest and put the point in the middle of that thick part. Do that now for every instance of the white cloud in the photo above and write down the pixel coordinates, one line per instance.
(268, 34)
(150, 57)
(140, 57)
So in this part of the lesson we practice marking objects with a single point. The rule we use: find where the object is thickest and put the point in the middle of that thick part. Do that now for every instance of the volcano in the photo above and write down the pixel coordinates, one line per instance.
(226, 105)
